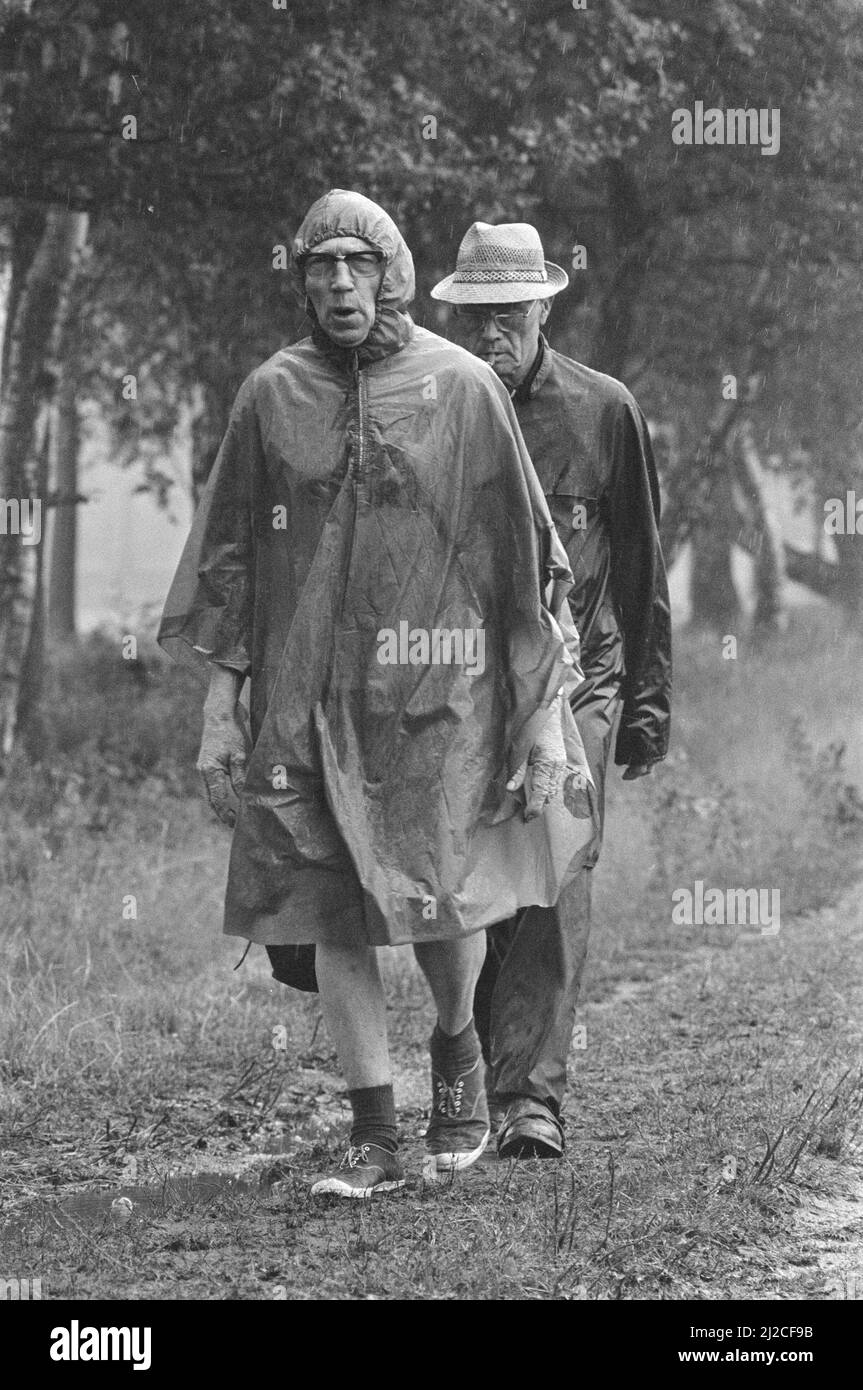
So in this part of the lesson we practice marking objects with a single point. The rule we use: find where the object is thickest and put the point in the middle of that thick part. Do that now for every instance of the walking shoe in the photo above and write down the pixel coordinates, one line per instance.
(364, 1170)
(458, 1130)
(530, 1129)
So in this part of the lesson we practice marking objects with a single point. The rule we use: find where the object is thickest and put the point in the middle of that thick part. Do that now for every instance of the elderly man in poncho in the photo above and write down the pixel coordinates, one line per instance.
(374, 554)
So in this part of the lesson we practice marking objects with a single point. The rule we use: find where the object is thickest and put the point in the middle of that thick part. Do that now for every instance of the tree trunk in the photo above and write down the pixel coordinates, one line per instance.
(23, 227)
(6, 268)
(32, 369)
(763, 537)
(714, 600)
(692, 489)
(209, 422)
(64, 531)
(33, 664)
(849, 581)
(631, 233)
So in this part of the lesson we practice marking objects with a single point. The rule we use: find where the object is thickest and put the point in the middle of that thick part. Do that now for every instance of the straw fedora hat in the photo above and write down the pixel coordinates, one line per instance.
(501, 265)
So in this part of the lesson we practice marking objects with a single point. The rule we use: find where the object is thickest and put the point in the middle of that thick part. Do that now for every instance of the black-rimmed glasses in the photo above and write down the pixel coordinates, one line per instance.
(322, 266)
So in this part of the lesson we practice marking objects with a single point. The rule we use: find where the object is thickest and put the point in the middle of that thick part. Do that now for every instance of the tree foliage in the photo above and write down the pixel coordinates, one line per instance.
(497, 109)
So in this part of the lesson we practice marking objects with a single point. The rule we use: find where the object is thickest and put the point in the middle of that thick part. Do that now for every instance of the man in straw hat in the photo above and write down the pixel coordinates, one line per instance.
(374, 552)
(589, 444)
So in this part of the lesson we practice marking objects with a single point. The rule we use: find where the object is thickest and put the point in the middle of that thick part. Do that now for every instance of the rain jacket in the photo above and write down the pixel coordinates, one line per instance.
(590, 446)
(360, 502)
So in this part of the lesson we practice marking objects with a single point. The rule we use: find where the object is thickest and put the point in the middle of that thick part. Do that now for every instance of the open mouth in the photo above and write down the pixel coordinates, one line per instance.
(344, 314)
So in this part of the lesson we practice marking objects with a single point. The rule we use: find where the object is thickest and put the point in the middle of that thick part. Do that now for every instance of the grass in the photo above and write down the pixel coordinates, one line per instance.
(134, 1057)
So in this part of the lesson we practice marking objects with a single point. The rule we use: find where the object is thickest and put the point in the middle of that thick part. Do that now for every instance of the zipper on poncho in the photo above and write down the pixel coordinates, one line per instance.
(356, 467)
(360, 389)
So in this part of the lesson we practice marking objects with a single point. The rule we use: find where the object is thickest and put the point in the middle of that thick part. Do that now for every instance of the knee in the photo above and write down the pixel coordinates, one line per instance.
(346, 960)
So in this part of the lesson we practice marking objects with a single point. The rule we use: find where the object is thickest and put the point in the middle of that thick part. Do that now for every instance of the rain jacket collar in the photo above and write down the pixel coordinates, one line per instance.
(542, 370)
(524, 390)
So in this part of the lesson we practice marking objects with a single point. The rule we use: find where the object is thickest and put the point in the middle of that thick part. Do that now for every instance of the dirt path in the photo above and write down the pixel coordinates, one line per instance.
(713, 1152)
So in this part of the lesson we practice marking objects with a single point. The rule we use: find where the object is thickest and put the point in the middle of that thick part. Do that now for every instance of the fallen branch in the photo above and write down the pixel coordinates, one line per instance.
(804, 567)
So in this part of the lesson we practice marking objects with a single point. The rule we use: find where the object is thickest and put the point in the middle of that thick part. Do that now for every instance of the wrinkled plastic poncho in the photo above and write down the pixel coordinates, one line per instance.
(362, 502)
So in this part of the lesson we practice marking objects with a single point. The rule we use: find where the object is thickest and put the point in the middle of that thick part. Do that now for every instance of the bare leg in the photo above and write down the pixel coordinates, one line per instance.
(354, 1006)
(452, 970)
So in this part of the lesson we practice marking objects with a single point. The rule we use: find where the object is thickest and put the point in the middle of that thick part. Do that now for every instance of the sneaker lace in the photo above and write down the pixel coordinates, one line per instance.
(356, 1154)
(449, 1098)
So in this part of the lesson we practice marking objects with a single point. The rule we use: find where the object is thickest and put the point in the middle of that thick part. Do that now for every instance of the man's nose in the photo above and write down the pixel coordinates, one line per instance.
(342, 279)
(490, 330)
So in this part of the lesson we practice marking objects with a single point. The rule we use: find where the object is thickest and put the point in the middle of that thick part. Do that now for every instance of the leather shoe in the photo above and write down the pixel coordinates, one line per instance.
(530, 1130)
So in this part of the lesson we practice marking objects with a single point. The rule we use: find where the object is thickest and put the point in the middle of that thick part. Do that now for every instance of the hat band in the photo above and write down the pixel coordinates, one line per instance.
(488, 276)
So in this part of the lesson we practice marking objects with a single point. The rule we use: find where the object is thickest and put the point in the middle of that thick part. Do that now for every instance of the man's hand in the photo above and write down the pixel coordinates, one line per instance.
(543, 772)
(222, 756)
(636, 770)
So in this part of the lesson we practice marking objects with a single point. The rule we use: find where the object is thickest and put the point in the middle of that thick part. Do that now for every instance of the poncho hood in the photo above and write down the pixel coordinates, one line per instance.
(343, 213)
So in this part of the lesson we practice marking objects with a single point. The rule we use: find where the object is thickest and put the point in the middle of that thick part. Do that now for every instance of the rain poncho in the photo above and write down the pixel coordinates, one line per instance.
(361, 503)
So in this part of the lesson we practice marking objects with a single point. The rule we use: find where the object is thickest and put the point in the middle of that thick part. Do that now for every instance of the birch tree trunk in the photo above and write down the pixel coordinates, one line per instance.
(5, 279)
(33, 663)
(33, 360)
(62, 584)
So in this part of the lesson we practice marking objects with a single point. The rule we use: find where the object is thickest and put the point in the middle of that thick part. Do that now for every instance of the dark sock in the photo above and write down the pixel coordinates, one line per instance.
(374, 1112)
(458, 1051)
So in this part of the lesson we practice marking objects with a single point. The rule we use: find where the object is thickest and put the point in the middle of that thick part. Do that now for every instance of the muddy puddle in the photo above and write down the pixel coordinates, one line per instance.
(116, 1206)
(198, 1189)
(191, 1182)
